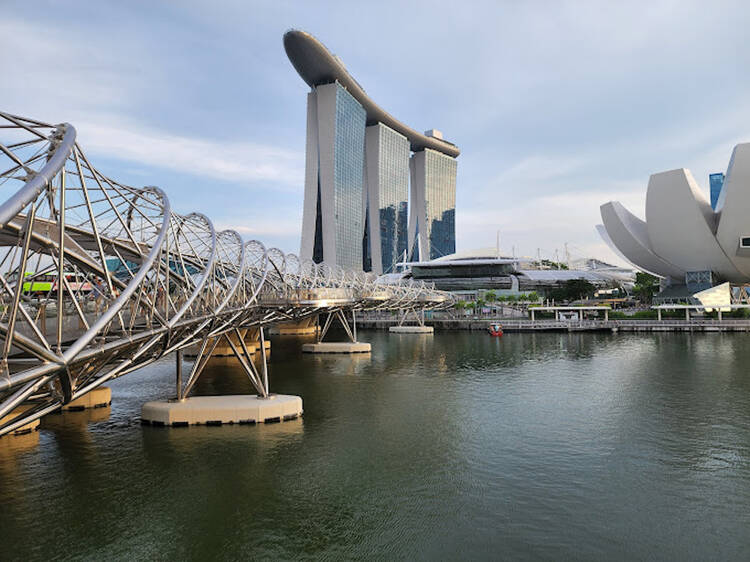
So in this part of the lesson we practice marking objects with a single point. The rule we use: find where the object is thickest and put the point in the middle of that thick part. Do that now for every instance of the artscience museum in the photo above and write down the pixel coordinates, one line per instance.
(685, 241)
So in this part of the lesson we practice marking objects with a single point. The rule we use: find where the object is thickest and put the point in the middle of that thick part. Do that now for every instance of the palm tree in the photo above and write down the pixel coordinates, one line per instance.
(490, 297)
(480, 304)
(460, 305)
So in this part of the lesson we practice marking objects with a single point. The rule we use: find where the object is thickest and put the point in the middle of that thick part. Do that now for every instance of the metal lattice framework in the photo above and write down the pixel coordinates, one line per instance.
(98, 278)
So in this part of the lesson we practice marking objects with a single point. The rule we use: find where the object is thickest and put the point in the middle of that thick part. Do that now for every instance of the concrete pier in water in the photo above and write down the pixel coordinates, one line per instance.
(218, 410)
(411, 329)
(337, 347)
(24, 429)
(98, 398)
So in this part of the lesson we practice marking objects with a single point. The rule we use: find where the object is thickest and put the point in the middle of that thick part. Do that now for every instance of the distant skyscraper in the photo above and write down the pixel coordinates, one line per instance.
(716, 181)
(333, 221)
(387, 172)
(432, 221)
(357, 172)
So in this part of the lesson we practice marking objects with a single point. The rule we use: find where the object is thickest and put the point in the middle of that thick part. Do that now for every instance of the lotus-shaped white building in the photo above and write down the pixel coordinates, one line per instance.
(683, 239)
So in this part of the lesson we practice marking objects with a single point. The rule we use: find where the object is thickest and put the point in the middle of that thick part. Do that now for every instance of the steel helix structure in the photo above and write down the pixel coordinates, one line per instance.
(99, 278)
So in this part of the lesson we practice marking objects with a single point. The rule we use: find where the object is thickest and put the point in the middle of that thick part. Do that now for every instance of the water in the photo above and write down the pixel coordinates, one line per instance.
(457, 445)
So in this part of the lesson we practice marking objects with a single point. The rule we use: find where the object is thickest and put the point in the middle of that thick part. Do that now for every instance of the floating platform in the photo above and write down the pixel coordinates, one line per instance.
(293, 330)
(411, 329)
(337, 347)
(24, 429)
(100, 397)
(218, 410)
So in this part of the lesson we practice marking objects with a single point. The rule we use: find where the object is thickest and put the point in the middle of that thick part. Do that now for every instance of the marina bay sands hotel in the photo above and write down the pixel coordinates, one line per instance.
(375, 189)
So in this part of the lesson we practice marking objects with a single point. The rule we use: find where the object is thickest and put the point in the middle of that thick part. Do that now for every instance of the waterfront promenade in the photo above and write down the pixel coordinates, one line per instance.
(551, 325)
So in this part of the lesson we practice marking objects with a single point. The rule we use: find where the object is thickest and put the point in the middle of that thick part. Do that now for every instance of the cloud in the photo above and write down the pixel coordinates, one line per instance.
(554, 115)
(548, 222)
(240, 162)
(99, 90)
(255, 227)
(282, 233)
(54, 74)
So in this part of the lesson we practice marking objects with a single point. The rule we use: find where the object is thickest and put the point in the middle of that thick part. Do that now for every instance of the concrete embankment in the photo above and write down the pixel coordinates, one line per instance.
(516, 325)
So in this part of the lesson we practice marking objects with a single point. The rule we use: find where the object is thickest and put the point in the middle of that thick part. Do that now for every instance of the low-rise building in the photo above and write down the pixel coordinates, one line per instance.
(473, 272)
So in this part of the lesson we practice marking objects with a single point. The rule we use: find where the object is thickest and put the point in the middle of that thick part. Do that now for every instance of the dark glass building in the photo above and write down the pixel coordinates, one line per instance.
(387, 170)
(432, 229)
(716, 182)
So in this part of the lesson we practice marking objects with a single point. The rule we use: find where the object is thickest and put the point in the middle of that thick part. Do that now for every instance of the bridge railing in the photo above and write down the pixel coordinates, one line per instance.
(98, 278)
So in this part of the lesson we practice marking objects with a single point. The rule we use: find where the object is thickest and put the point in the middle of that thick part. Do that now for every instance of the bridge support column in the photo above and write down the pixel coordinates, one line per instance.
(21, 430)
(217, 410)
(252, 340)
(351, 346)
(99, 397)
(419, 328)
(223, 349)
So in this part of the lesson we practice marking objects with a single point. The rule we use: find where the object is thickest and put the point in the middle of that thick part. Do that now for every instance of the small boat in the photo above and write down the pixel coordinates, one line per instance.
(495, 330)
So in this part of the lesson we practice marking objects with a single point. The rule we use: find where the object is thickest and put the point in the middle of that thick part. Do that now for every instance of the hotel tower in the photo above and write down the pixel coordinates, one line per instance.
(375, 189)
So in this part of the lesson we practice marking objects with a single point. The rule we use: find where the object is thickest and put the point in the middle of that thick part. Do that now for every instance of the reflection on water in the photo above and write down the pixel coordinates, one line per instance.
(457, 445)
(186, 439)
(75, 420)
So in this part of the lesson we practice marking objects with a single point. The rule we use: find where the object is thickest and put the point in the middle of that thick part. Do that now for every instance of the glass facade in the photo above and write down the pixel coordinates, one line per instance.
(440, 203)
(716, 181)
(348, 178)
(393, 194)
(357, 188)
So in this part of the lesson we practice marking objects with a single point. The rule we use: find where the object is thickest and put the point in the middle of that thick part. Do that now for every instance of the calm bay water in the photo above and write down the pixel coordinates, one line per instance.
(457, 445)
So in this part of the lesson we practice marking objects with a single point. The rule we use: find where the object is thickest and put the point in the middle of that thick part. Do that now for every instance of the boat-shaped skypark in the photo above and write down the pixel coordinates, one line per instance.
(360, 162)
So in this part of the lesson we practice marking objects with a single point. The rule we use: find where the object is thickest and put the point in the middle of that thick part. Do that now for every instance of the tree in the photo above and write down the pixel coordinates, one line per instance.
(479, 303)
(460, 306)
(491, 298)
(573, 289)
(646, 286)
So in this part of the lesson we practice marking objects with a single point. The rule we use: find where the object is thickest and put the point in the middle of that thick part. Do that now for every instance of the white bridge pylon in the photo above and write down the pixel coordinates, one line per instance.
(98, 278)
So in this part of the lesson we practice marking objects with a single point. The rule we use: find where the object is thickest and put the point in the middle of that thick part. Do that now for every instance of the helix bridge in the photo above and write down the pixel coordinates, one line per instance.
(100, 279)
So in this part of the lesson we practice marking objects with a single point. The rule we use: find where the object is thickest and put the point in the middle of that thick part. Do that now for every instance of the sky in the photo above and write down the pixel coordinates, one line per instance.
(557, 107)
